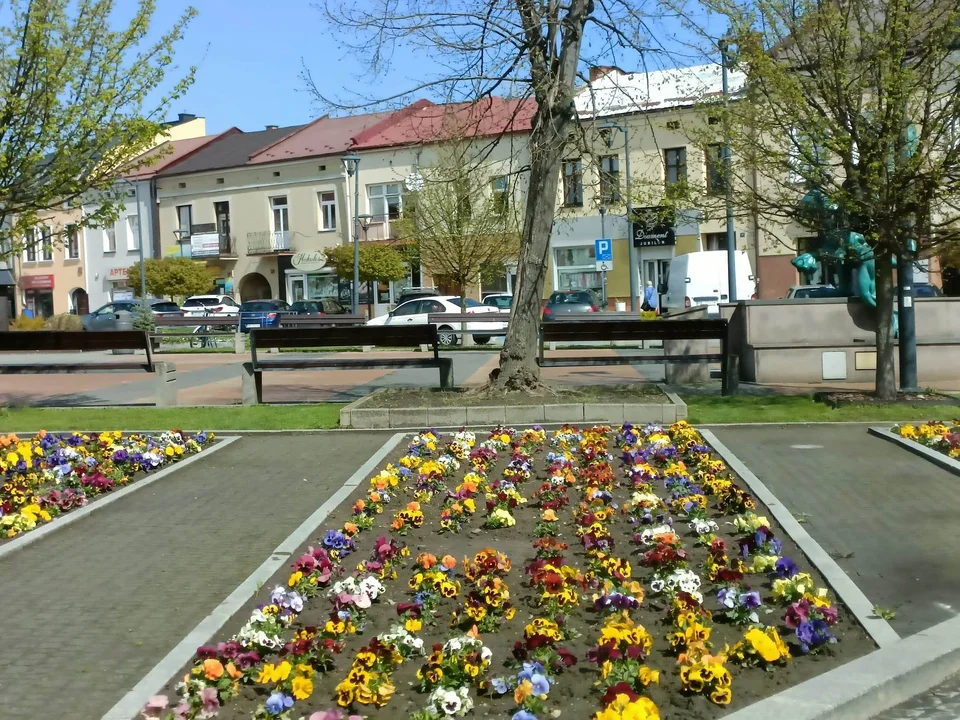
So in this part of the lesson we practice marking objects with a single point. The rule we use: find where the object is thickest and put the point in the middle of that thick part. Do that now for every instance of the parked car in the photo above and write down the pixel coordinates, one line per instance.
(199, 305)
(262, 314)
(321, 306)
(500, 301)
(103, 317)
(414, 293)
(925, 290)
(567, 302)
(416, 312)
(700, 279)
(800, 292)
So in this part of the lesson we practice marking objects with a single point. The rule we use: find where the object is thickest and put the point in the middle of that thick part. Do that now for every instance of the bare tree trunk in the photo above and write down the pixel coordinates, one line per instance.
(886, 381)
(518, 359)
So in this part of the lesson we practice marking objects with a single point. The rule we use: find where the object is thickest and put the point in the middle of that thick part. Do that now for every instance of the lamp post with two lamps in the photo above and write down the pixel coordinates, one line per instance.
(351, 164)
(631, 249)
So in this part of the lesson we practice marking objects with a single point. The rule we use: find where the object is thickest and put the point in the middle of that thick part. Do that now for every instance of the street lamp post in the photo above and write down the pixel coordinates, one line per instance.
(143, 270)
(180, 235)
(631, 248)
(724, 46)
(352, 164)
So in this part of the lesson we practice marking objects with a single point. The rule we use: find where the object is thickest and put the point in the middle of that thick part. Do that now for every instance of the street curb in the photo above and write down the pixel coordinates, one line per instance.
(878, 628)
(104, 500)
(130, 705)
(937, 458)
(871, 684)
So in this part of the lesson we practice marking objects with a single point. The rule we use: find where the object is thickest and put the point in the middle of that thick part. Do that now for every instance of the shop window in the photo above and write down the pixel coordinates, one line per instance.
(577, 269)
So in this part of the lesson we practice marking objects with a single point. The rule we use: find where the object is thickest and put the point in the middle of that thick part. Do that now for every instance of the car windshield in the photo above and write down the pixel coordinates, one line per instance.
(197, 302)
(258, 306)
(573, 298)
(165, 306)
(459, 302)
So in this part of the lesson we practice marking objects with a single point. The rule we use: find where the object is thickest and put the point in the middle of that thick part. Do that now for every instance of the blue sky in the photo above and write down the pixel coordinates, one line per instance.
(249, 55)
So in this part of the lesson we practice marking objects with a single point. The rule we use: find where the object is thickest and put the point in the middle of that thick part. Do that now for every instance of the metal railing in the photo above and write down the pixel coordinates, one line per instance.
(268, 241)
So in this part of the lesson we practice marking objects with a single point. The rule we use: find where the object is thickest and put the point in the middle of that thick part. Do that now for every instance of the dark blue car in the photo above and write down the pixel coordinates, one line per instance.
(255, 314)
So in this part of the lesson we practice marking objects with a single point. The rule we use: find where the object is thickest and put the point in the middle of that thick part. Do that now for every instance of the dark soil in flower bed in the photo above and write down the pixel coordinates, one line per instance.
(573, 693)
(425, 397)
(840, 398)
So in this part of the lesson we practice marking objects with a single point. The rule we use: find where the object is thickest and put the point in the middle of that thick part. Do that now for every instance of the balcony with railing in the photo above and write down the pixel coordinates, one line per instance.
(265, 242)
(380, 227)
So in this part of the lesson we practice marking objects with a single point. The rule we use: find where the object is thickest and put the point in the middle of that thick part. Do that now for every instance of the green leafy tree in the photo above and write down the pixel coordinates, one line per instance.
(76, 104)
(460, 228)
(173, 277)
(378, 263)
(861, 100)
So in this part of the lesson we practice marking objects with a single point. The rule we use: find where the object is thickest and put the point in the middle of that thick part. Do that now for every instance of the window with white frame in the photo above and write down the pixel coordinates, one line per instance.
(133, 236)
(184, 221)
(110, 238)
(71, 245)
(501, 195)
(328, 211)
(386, 202)
(281, 213)
(46, 244)
(30, 246)
(577, 269)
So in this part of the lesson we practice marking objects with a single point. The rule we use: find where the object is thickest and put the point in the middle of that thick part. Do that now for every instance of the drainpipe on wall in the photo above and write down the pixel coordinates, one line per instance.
(154, 218)
(756, 239)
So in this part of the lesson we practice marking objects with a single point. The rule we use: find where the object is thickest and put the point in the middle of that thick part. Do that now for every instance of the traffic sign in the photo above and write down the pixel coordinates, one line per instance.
(604, 250)
(604, 266)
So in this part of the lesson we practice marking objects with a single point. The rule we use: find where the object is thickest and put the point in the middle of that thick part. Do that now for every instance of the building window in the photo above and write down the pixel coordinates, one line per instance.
(610, 179)
(573, 183)
(577, 269)
(46, 245)
(716, 182)
(386, 202)
(328, 211)
(281, 214)
(675, 160)
(30, 246)
(501, 195)
(715, 241)
(110, 238)
(184, 221)
(133, 232)
(72, 244)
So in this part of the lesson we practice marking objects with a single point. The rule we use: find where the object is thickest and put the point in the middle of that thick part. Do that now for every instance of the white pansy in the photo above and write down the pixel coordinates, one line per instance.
(702, 527)
(649, 536)
(657, 585)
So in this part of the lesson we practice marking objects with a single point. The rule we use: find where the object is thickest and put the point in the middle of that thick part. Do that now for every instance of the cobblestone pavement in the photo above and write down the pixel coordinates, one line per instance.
(940, 703)
(886, 516)
(90, 609)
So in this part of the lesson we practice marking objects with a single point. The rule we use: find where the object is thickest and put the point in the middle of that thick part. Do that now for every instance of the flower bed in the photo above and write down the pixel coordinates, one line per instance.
(48, 475)
(604, 573)
(935, 435)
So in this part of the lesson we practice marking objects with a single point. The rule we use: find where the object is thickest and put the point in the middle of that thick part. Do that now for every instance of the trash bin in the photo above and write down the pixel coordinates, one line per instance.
(123, 320)
(621, 306)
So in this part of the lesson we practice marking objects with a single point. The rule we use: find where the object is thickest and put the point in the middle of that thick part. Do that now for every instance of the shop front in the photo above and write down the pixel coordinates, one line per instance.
(37, 295)
(118, 284)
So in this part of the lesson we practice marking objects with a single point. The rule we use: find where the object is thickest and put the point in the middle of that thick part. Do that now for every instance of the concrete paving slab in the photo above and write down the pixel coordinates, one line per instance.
(888, 518)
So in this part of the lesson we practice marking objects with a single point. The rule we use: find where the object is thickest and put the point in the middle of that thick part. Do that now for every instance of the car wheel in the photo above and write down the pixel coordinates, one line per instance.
(481, 339)
(446, 337)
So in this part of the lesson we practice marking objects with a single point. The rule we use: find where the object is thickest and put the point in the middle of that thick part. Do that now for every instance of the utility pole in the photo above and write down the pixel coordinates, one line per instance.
(352, 163)
(728, 175)
(631, 249)
(907, 338)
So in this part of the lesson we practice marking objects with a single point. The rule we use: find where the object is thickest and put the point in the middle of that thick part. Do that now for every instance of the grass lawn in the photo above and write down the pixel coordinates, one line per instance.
(703, 410)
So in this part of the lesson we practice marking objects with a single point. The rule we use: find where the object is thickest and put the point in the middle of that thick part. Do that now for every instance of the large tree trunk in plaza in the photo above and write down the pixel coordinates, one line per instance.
(518, 359)
(886, 380)
(553, 43)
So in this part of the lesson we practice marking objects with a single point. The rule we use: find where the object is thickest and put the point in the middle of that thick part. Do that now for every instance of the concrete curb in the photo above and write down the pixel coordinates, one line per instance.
(878, 628)
(937, 458)
(130, 705)
(104, 500)
(871, 684)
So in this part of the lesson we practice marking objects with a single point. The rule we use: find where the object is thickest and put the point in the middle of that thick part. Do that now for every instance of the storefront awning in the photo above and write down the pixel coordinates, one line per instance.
(6, 278)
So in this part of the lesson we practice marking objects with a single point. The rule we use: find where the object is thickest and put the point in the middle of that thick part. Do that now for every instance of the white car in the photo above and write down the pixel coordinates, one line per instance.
(415, 312)
(500, 301)
(207, 305)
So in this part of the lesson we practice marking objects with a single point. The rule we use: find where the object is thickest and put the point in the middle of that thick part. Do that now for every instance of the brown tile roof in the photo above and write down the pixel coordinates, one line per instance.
(170, 153)
(324, 136)
(230, 150)
(423, 122)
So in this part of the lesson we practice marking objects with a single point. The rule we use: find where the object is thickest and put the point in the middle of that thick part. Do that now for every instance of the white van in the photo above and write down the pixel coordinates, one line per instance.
(700, 278)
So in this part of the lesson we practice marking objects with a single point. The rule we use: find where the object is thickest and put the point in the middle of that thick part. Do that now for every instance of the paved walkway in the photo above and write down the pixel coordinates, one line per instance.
(214, 379)
(888, 517)
(90, 609)
(941, 703)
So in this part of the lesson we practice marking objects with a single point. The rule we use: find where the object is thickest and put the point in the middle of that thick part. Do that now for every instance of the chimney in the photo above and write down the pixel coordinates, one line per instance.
(598, 71)
(185, 117)
(273, 127)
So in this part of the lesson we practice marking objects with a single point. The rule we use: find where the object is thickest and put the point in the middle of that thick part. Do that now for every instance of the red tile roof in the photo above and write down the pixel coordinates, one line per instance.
(424, 122)
(170, 153)
(324, 136)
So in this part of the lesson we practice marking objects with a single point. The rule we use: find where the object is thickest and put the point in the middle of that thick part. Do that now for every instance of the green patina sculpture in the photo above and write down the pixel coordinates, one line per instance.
(840, 247)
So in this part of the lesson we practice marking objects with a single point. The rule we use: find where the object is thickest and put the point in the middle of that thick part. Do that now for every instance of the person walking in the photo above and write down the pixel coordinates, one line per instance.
(650, 299)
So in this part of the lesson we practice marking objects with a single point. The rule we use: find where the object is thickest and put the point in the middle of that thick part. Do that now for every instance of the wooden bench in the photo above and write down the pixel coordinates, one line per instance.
(49, 341)
(386, 336)
(613, 330)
